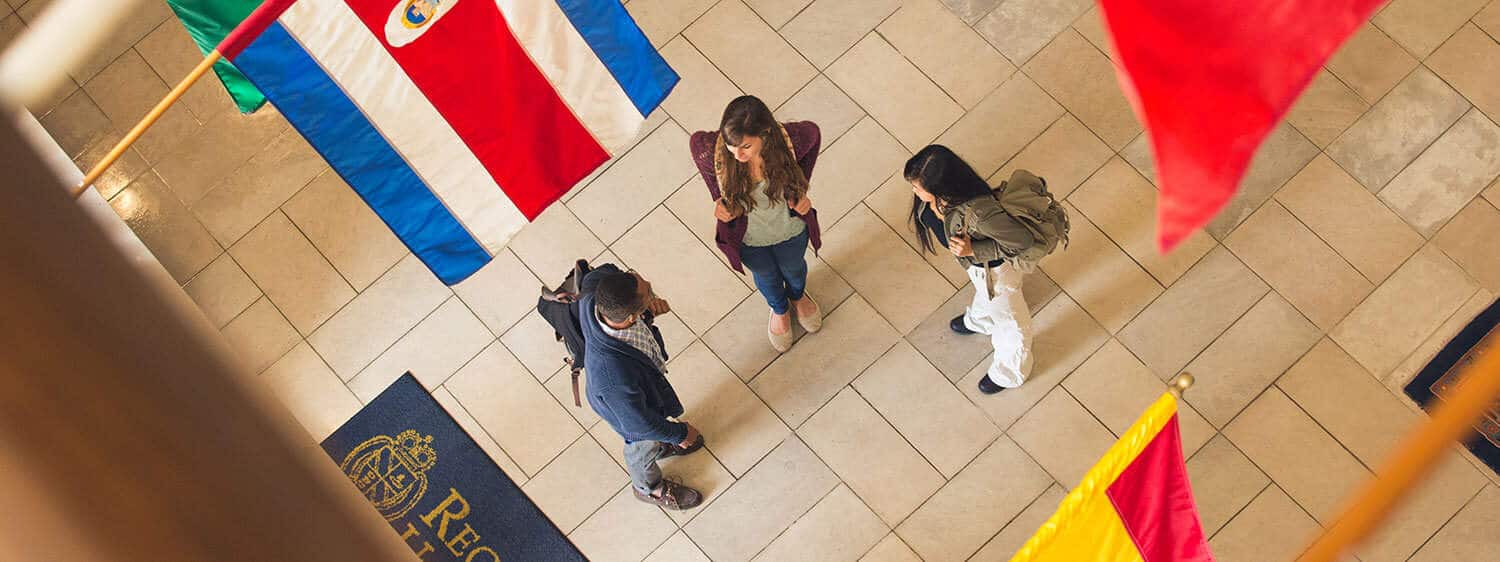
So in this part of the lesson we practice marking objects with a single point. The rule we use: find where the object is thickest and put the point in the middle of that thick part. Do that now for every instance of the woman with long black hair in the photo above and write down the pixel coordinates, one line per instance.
(953, 205)
(757, 172)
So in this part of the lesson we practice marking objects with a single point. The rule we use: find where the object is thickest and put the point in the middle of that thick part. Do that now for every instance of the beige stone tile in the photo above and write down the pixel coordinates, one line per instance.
(123, 36)
(778, 12)
(167, 228)
(925, 408)
(662, 20)
(1470, 535)
(1251, 354)
(1325, 109)
(307, 387)
(1349, 219)
(1434, 343)
(1064, 337)
(1140, 156)
(172, 54)
(932, 37)
(799, 382)
(1123, 205)
(701, 471)
(497, 292)
(636, 184)
(825, 29)
(1488, 19)
(1400, 313)
(653, 121)
(576, 484)
(1019, 530)
(222, 290)
(740, 338)
(292, 273)
(692, 205)
(679, 548)
(892, 202)
(1224, 481)
(1284, 152)
(1058, 418)
(822, 102)
(1103, 279)
(476, 432)
(76, 124)
(232, 207)
(1493, 193)
(126, 169)
(774, 74)
(953, 354)
(839, 527)
(870, 456)
(681, 270)
(901, 286)
(1458, 166)
(1066, 154)
(194, 161)
(962, 516)
(1397, 129)
(1465, 239)
(1021, 28)
(1297, 453)
(854, 167)
(1117, 388)
(971, 11)
(1298, 265)
(1002, 124)
(890, 549)
(11, 26)
(1433, 502)
(561, 387)
(1080, 77)
(894, 92)
(535, 344)
(1348, 402)
(378, 317)
(346, 231)
(624, 529)
(1272, 527)
(553, 242)
(1194, 311)
(515, 410)
(260, 335)
(435, 349)
(763, 503)
(737, 427)
(1422, 25)
(1370, 63)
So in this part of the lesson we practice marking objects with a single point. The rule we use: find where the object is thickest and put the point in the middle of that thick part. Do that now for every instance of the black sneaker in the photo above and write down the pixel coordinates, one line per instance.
(958, 327)
(988, 386)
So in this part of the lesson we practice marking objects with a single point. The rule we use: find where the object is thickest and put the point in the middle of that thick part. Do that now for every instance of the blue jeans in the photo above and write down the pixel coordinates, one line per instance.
(780, 270)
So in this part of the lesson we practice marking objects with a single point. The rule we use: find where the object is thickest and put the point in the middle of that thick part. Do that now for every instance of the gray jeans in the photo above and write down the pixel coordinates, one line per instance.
(640, 462)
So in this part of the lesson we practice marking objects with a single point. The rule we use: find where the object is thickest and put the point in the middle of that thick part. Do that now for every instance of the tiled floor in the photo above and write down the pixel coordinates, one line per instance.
(1357, 246)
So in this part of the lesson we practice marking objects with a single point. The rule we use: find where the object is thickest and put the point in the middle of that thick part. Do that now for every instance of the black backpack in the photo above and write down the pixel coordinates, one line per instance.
(559, 307)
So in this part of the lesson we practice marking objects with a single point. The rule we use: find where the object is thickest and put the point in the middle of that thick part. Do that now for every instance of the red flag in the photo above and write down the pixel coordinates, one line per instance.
(1210, 79)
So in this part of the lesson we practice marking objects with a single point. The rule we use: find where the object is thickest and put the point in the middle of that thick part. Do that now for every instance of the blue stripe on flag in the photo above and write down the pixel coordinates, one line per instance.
(624, 50)
(337, 129)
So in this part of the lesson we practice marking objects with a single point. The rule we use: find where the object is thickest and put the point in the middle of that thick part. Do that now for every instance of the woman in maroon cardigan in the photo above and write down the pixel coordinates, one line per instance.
(757, 171)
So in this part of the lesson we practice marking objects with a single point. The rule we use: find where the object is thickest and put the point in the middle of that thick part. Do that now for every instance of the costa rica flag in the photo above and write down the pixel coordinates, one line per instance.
(457, 121)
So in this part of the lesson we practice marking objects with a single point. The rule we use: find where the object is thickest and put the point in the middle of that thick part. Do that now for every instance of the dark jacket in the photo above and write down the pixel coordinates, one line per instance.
(806, 140)
(625, 388)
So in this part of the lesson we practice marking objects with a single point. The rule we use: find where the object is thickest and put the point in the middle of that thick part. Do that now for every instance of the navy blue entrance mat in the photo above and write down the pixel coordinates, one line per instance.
(1441, 377)
(436, 487)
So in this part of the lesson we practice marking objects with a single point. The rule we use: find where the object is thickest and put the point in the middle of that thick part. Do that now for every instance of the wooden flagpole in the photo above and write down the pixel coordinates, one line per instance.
(150, 119)
(1416, 456)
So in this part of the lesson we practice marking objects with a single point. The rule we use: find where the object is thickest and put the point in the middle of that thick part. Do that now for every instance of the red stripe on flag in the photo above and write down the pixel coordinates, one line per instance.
(484, 84)
(251, 27)
(1155, 502)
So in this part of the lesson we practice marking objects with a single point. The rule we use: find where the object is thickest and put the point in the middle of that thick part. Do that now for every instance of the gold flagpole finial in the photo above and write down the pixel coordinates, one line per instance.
(1181, 384)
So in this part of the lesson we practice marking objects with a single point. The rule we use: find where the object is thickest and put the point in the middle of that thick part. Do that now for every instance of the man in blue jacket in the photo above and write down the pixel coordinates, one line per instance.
(626, 364)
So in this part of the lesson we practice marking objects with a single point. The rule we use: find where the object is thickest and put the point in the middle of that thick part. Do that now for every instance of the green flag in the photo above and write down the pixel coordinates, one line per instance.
(208, 21)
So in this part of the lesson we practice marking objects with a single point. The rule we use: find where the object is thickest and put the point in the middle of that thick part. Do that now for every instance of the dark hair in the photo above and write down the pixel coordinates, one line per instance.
(748, 116)
(617, 296)
(947, 177)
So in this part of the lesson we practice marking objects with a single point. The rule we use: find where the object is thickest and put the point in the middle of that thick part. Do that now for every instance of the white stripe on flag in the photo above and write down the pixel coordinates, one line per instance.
(355, 59)
(576, 73)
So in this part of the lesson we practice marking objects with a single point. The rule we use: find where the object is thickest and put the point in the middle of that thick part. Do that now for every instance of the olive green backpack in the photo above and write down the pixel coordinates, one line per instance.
(1025, 198)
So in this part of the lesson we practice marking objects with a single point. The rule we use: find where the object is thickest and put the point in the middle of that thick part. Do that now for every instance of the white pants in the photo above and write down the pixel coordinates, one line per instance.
(999, 311)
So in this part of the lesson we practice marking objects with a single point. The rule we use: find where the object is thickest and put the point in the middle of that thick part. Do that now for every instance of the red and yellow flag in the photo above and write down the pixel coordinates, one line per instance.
(1135, 505)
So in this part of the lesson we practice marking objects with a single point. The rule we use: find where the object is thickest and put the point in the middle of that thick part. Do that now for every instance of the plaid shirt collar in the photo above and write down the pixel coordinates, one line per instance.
(639, 337)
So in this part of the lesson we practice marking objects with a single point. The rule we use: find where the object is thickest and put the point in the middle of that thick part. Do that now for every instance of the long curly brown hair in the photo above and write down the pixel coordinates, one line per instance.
(746, 116)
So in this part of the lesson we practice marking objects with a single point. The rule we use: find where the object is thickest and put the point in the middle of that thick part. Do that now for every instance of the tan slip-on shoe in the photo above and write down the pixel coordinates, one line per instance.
(782, 342)
(812, 322)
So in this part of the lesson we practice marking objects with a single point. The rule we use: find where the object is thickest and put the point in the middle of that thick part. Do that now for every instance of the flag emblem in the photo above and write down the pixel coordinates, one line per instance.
(410, 18)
